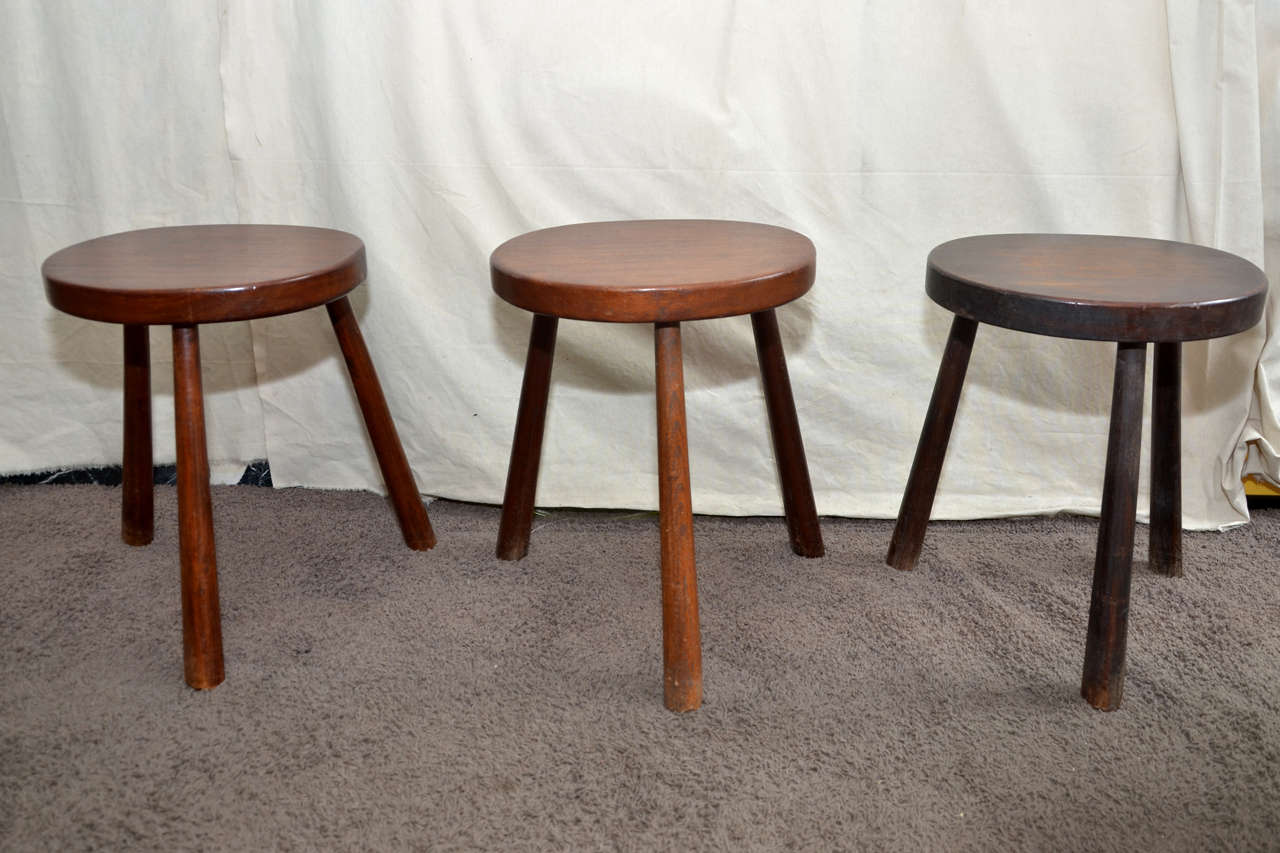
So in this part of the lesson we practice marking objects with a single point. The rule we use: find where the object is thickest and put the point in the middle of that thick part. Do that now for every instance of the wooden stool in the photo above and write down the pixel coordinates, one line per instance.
(211, 274)
(662, 272)
(1122, 289)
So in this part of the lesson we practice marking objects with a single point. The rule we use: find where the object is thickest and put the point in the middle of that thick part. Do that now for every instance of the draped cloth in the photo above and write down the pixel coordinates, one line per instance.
(436, 130)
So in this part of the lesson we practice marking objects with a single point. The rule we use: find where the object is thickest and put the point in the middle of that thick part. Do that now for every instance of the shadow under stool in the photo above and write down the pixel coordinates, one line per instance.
(188, 275)
(663, 272)
(1129, 290)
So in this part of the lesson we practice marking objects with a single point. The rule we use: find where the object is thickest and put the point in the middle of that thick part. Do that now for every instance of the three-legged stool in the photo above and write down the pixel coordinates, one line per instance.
(184, 276)
(662, 272)
(1129, 290)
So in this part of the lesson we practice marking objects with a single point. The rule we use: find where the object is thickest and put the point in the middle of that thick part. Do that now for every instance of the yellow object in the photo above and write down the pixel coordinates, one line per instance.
(1255, 485)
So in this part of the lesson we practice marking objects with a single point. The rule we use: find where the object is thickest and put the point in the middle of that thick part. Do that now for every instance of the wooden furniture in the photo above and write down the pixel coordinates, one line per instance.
(1129, 290)
(663, 272)
(186, 276)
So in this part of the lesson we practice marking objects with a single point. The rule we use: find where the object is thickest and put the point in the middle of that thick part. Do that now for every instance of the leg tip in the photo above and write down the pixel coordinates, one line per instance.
(421, 541)
(511, 552)
(415, 524)
(808, 549)
(136, 537)
(1100, 697)
(683, 697)
(899, 561)
(202, 659)
(205, 680)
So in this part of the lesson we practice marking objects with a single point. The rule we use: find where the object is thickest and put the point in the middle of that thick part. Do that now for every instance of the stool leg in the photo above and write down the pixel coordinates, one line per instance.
(788, 448)
(414, 524)
(681, 641)
(1104, 650)
(201, 622)
(136, 476)
(917, 501)
(526, 447)
(1166, 461)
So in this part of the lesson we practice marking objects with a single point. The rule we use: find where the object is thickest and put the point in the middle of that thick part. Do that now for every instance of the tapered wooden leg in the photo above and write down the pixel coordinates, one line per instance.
(917, 501)
(526, 448)
(681, 640)
(136, 477)
(1104, 650)
(788, 448)
(1166, 460)
(412, 515)
(201, 621)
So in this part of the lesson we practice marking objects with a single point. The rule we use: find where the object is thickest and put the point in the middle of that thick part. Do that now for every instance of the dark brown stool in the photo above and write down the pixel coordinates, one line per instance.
(662, 272)
(211, 274)
(1123, 289)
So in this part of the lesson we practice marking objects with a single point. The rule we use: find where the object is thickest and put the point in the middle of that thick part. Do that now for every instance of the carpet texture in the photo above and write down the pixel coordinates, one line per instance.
(379, 698)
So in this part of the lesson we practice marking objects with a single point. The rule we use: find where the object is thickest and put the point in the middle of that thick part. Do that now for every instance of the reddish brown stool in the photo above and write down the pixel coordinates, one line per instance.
(662, 272)
(1124, 289)
(185, 276)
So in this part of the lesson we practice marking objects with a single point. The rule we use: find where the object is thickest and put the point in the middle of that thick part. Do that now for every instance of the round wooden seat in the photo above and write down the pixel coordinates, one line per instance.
(653, 271)
(1097, 287)
(203, 273)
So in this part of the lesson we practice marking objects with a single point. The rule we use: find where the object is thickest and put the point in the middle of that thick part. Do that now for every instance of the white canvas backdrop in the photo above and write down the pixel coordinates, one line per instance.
(110, 119)
(436, 130)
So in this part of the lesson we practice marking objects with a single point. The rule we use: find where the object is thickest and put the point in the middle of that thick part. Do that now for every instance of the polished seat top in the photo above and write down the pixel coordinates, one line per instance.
(647, 271)
(203, 273)
(1097, 287)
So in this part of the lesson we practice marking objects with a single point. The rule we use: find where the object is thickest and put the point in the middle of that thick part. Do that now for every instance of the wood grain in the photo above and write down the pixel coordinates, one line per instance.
(189, 275)
(788, 446)
(645, 271)
(137, 479)
(663, 272)
(526, 447)
(931, 451)
(403, 491)
(203, 273)
(201, 621)
(1125, 289)
(1097, 287)
(1104, 658)
(681, 639)
(1165, 545)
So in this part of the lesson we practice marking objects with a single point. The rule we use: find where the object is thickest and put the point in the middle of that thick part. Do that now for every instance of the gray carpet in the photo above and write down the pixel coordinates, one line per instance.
(378, 698)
